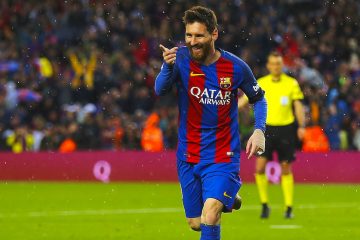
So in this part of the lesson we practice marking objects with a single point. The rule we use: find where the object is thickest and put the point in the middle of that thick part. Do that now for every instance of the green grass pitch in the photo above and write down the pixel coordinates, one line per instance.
(138, 211)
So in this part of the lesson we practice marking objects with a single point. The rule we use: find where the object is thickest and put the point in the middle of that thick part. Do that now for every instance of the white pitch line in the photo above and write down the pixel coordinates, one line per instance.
(96, 212)
(306, 206)
(285, 226)
(92, 212)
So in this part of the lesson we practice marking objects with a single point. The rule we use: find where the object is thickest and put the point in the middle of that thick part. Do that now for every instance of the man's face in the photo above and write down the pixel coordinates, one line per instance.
(199, 40)
(275, 65)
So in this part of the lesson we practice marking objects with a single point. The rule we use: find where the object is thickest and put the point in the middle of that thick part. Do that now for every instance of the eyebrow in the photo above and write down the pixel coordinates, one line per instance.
(196, 34)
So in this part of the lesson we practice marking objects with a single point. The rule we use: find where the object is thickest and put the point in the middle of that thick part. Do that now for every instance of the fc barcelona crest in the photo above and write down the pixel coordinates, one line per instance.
(225, 82)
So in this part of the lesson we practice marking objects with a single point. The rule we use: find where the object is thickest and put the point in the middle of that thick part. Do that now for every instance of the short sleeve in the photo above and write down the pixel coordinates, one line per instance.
(297, 93)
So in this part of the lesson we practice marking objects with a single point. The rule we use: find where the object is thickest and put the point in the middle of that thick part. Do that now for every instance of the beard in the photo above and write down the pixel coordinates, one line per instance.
(200, 51)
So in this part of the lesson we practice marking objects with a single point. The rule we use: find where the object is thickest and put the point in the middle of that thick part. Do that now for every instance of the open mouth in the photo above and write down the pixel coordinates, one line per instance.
(196, 49)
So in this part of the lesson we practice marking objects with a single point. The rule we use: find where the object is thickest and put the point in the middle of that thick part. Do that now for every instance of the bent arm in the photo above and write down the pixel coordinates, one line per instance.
(165, 79)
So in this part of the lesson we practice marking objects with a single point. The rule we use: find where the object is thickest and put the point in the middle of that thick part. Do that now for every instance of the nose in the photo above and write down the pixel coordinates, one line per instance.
(193, 41)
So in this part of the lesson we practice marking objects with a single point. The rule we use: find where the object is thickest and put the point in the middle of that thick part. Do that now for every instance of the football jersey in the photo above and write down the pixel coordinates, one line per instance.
(207, 100)
(280, 96)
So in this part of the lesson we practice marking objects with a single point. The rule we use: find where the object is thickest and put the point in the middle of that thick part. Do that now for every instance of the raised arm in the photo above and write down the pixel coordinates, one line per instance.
(168, 72)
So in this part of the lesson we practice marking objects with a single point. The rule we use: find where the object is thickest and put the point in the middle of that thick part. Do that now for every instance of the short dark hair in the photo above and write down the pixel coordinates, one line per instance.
(274, 54)
(202, 15)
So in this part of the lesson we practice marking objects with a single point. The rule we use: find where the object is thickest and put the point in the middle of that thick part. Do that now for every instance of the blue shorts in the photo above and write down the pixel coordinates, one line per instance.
(207, 180)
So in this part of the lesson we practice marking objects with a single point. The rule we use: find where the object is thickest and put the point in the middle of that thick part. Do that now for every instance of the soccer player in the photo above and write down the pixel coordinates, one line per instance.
(282, 93)
(208, 154)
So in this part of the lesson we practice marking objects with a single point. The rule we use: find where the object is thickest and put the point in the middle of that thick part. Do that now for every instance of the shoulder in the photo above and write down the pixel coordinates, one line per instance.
(291, 82)
(289, 79)
(233, 58)
(264, 78)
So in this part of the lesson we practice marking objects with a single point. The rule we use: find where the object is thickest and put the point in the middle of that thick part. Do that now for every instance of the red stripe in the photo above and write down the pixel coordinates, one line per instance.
(224, 68)
(193, 127)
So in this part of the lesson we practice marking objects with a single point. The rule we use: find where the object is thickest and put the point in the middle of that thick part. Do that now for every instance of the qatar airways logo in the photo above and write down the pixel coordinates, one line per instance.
(211, 96)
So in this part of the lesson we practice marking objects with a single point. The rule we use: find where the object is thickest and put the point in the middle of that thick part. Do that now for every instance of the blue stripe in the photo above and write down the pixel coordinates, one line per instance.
(209, 116)
(183, 102)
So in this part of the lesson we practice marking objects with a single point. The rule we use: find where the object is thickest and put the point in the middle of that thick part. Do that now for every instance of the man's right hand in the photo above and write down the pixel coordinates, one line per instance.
(169, 55)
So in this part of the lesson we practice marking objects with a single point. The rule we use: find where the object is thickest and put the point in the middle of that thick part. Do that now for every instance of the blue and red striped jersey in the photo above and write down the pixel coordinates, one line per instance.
(207, 100)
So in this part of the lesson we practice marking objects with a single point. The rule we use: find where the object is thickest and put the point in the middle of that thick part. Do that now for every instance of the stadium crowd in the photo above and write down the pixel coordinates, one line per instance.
(79, 75)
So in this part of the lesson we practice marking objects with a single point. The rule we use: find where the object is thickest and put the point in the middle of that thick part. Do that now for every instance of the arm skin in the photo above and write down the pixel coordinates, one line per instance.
(242, 102)
(300, 116)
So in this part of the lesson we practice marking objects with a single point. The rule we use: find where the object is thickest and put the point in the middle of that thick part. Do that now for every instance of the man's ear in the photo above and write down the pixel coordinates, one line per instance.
(215, 34)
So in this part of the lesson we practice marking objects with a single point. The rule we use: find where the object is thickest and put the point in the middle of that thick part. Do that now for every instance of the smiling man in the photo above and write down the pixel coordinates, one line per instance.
(208, 156)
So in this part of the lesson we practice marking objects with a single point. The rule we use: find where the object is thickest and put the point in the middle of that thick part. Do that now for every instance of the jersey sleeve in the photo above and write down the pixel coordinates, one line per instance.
(249, 85)
(260, 113)
(297, 93)
(166, 78)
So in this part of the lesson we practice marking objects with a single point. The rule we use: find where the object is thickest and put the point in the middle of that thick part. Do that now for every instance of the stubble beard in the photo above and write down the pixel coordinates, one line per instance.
(205, 51)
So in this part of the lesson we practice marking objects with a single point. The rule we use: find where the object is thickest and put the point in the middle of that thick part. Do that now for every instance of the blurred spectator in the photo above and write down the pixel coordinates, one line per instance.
(52, 138)
(315, 140)
(87, 137)
(68, 144)
(357, 139)
(112, 134)
(332, 127)
(3, 145)
(132, 137)
(152, 137)
(21, 140)
(38, 134)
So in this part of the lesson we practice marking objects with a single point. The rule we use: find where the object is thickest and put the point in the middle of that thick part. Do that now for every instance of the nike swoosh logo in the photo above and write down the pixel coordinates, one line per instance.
(192, 74)
(226, 195)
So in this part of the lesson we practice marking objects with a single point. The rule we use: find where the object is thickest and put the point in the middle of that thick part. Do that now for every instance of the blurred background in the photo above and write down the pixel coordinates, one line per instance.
(79, 75)
(77, 107)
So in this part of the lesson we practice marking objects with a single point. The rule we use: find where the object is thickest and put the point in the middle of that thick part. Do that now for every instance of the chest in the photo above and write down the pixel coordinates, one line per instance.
(278, 93)
(217, 76)
(208, 85)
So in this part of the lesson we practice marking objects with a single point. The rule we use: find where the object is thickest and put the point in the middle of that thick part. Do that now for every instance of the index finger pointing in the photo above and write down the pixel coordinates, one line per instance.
(248, 145)
(252, 151)
(163, 48)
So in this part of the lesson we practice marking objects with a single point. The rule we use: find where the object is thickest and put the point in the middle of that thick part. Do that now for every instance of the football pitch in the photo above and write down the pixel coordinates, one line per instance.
(138, 211)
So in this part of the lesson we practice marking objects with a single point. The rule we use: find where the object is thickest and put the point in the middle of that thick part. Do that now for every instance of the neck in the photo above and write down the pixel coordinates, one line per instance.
(212, 57)
(276, 78)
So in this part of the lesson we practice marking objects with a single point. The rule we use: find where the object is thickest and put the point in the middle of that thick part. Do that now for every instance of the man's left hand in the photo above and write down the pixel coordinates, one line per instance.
(256, 143)
(301, 133)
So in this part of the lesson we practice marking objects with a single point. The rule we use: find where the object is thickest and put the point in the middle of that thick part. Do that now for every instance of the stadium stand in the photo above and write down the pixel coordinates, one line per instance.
(78, 75)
